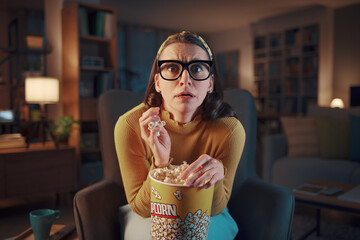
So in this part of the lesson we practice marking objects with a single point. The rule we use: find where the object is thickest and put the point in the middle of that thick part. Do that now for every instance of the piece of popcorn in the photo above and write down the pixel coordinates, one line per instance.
(170, 174)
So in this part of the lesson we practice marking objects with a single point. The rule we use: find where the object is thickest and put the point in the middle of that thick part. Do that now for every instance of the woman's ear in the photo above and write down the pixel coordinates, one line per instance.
(156, 82)
(211, 84)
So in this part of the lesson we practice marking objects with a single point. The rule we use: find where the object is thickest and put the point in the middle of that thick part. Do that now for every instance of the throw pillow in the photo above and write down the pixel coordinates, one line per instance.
(301, 134)
(354, 152)
(333, 138)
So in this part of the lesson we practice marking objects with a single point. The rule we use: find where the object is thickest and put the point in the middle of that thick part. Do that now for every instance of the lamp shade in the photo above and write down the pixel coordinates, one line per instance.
(42, 90)
(337, 103)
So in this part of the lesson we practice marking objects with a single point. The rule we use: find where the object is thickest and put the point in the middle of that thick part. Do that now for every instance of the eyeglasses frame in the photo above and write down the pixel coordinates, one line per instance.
(185, 65)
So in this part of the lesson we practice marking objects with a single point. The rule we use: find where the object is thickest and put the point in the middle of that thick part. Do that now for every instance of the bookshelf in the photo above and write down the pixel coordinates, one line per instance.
(24, 55)
(89, 69)
(286, 70)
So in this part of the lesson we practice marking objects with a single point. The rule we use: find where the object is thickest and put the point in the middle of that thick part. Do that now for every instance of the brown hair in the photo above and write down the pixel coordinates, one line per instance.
(213, 106)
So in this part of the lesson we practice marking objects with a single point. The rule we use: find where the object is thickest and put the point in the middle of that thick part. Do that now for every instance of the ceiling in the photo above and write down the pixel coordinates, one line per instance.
(205, 16)
(208, 16)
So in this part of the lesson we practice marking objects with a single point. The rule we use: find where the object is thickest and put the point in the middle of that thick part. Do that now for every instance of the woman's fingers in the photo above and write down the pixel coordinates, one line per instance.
(205, 171)
(150, 115)
(195, 166)
(155, 135)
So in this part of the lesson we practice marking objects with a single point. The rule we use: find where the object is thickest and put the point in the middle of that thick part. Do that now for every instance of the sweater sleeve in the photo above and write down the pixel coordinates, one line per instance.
(229, 152)
(135, 164)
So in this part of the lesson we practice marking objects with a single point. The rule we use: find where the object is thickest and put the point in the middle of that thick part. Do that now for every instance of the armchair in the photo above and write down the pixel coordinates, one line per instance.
(262, 210)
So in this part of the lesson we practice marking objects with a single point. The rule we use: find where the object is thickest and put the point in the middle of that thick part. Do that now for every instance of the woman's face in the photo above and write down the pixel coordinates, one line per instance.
(184, 95)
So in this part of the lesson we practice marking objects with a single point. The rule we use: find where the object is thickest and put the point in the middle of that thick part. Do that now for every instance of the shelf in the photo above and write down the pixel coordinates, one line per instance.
(90, 150)
(25, 50)
(95, 69)
(95, 38)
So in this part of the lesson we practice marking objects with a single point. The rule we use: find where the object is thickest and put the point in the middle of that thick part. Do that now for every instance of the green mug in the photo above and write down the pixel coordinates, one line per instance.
(41, 221)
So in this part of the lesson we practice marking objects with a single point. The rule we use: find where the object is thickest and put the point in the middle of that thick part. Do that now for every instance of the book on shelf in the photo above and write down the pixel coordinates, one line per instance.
(12, 141)
(89, 140)
(104, 82)
(86, 88)
(275, 68)
(92, 61)
(311, 34)
(99, 23)
(83, 22)
(108, 27)
(292, 36)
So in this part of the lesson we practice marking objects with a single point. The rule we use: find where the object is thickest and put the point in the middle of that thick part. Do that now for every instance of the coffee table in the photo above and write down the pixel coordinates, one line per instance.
(329, 202)
(57, 232)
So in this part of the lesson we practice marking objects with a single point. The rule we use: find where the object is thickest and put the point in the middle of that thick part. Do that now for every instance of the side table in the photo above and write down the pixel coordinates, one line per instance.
(57, 232)
(41, 168)
(327, 202)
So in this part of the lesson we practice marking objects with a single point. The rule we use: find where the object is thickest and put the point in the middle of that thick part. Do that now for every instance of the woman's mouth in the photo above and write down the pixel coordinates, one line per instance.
(184, 95)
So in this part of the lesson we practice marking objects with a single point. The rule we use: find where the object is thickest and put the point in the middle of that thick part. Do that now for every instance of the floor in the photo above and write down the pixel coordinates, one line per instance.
(334, 225)
(14, 218)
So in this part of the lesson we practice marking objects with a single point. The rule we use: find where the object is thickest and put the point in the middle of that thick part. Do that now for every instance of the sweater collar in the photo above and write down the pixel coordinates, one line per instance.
(176, 126)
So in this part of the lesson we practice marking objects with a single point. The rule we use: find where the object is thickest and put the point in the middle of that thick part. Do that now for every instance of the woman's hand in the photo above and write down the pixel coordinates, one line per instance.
(157, 138)
(205, 171)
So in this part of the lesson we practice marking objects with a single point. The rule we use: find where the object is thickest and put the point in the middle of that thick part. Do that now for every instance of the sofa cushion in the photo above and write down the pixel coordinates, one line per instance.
(355, 176)
(133, 226)
(333, 138)
(294, 171)
(301, 136)
(354, 152)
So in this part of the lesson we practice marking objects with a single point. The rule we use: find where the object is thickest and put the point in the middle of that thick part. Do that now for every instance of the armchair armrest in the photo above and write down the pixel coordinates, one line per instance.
(263, 211)
(96, 211)
(275, 147)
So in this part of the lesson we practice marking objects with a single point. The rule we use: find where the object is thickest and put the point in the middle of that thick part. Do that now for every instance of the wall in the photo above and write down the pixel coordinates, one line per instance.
(237, 39)
(52, 9)
(346, 51)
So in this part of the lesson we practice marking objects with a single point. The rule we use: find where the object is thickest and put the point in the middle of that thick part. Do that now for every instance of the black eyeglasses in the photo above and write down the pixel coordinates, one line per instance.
(171, 70)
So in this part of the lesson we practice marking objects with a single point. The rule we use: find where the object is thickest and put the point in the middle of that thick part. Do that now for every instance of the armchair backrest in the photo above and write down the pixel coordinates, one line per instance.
(111, 106)
(114, 103)
(243, 103)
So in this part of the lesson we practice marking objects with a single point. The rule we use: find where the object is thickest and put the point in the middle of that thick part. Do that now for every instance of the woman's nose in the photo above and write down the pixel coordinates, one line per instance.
(185, 78)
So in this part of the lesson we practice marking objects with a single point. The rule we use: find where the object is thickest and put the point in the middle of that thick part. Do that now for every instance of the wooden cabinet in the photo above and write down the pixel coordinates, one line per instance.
(286, 70)
(89, 69)
(2, 179)
(39, 169)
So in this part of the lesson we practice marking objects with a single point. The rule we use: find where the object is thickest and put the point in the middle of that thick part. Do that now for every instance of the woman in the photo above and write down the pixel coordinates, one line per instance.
(201, 129)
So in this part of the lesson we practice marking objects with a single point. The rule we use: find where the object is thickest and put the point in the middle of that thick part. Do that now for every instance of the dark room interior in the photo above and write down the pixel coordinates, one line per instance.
(295, 63)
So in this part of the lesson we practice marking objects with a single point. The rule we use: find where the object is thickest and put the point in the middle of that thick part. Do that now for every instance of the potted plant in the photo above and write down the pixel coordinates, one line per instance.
(62, 129)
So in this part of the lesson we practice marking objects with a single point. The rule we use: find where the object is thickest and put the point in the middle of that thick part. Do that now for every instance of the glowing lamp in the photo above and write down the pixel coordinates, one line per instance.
(41, 90)
(337, 103)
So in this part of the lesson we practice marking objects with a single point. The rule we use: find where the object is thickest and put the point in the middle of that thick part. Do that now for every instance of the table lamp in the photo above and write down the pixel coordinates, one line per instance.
(41, 90)
(337, 103)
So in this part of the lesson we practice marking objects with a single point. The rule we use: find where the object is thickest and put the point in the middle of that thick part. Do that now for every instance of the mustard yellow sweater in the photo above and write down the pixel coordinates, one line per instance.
(222, 139)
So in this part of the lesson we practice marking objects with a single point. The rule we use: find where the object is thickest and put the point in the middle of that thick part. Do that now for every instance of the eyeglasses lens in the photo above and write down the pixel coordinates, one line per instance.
(173, 70)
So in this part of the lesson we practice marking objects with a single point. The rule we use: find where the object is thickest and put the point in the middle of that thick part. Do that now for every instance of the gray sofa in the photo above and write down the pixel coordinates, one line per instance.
(280, 169)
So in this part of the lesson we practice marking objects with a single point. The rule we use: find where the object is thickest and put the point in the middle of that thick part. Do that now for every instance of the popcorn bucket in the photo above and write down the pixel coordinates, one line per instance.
(179, 212)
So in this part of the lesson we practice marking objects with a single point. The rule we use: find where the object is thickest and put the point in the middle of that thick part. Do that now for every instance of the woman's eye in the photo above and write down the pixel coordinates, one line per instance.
(173, 68)
(196, 68)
